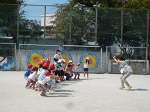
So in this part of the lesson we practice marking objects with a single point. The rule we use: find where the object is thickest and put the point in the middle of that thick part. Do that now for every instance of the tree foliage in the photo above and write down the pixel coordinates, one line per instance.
(8, 18)
(109, 21)
(11, 15)
(139, 4)
(74, 20)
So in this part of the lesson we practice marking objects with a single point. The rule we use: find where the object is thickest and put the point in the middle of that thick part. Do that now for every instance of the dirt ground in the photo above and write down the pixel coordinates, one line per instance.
(98, 94)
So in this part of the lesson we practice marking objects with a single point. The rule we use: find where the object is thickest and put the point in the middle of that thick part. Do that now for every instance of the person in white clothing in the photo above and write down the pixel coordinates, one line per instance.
(42, 81)
(76, 71)
(57, 56)
(32, 78)
(85, 66)
(45, 67)
(125, 70)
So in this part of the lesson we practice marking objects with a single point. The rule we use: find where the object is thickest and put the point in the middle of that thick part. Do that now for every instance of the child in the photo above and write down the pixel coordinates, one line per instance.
(76, 71)
(51, 82)
(59, 71)
(71, 67)
(125, 70)
(32, 78)
(67, 72)
(85, 67)
(30, 66)
(42, 81)
(45, 68)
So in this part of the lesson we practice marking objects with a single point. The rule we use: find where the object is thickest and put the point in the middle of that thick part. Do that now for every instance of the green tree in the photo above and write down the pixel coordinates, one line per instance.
(11, 17)
(29, 29)
(139, 4)
(76, 18)
(109, 21)
(8, 18)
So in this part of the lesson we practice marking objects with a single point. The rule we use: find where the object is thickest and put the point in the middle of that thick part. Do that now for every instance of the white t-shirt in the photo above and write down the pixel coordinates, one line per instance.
(42, 73)
(44, 80)
(32, 76)
(57, 56)
(76, 69)
(86, 65)
(39, 72)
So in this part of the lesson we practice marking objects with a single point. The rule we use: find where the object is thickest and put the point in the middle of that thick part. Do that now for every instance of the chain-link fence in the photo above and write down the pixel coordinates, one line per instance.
(7, 56)
(136, 57)
(78, 25)
(75, 25)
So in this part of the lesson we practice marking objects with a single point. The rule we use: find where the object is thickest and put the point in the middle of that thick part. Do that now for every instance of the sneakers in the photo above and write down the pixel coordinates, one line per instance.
(58, 81)
(129, 88)
(122, 87)
(51, 91)
(42, 94)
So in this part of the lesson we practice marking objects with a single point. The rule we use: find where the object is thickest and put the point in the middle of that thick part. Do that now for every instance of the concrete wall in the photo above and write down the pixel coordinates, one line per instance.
(99, 64)
(26, 56)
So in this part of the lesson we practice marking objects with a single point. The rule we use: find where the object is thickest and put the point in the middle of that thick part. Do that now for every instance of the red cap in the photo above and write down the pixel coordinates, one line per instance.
(45, 65)
(40, 63)
(47, 73)
(48, 61)
(30, 65)
(52, 66)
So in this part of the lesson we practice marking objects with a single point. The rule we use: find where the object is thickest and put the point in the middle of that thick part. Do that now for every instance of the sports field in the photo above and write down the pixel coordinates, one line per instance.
(98, 94)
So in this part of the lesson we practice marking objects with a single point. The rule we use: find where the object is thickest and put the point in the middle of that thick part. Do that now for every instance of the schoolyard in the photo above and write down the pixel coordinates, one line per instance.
(98, 94)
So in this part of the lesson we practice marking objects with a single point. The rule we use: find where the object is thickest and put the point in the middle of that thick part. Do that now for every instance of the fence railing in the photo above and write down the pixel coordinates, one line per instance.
(75, 25)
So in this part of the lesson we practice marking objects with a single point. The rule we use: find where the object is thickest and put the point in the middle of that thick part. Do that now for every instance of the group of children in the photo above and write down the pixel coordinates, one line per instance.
(44, 77)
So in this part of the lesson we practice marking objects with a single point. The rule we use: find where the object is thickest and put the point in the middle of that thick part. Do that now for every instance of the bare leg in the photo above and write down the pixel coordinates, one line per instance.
(84, 73)
(87, 75)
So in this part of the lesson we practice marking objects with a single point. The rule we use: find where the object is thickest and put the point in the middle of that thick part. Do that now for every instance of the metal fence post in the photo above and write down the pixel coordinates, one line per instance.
(44, 23)
(147, 45)
(70, 27)
(121, 27)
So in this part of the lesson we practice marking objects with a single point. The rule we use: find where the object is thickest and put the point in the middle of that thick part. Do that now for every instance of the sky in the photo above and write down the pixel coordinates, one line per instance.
(34, 12)
(45, 2)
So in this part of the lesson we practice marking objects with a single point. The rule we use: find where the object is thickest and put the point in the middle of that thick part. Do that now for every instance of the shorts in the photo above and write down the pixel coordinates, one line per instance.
(67, 76)
(59, 72)
(86, 69)
(41, 86)
(76, 73)
(51, 83)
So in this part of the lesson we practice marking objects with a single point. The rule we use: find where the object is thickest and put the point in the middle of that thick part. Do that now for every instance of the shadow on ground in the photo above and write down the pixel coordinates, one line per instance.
(139, 89)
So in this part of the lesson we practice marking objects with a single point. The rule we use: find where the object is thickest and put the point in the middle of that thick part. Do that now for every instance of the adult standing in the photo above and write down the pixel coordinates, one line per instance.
(125, 70)
(57, 56)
